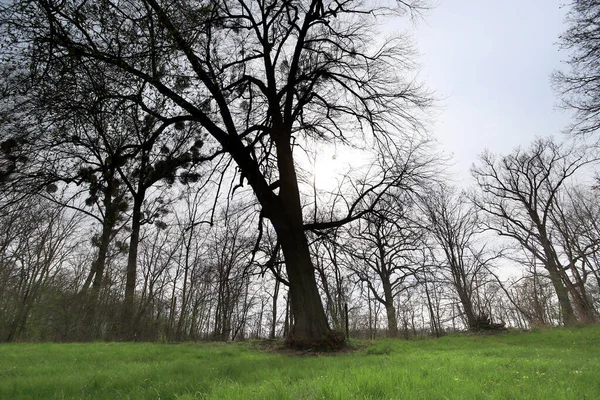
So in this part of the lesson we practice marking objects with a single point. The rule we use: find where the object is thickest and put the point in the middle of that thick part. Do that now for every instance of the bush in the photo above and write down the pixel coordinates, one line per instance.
(483, 322)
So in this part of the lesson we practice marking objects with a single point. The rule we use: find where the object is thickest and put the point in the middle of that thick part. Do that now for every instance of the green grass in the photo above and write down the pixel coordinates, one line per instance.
(554, 364)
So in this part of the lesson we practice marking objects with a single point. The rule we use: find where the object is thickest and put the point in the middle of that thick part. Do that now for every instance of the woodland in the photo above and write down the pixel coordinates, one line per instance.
(158, 180)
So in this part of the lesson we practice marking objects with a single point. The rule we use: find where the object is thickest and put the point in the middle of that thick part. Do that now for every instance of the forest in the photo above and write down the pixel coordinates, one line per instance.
(162, 179)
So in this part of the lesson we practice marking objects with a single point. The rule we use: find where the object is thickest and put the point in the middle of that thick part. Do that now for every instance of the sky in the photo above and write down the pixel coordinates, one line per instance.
(489, 63)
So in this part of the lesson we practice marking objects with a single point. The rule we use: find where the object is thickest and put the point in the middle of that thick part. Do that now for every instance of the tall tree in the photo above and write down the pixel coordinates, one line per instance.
(454, 225)
(574, 218)
(518, 192)
(259, 77)
(579, 87)
(61, 123)
(36, 240)
(382, 247)
(86, 135)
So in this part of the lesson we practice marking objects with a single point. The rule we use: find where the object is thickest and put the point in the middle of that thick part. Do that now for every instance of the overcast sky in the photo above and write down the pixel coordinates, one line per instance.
(490, 63)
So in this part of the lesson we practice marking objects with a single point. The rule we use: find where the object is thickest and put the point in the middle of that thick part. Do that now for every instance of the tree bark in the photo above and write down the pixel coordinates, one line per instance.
(562, 293)
(274, 309)
(569, 317)
(467, 305)
(127, 326)
(389, 308)
(310, 322)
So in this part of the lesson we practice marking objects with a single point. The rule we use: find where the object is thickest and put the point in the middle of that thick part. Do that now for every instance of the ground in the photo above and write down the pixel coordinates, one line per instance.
(544, 364)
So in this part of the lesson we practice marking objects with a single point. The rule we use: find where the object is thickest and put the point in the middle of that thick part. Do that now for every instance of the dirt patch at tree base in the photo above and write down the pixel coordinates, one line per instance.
(313, 348)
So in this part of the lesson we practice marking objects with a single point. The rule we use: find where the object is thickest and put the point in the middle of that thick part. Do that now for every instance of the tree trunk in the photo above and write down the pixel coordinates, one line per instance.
(389, 308)
(127, 326)
(89, 321)
(310, 322)
(287, 321)
(184, 294)
(91, 312)
(553, 268)
(334, 311)
(467, 305)
(19, 321)
(562, 293)
(274, 310)
(582, 303)
(371, 334)
(434, 324)
(580, 298)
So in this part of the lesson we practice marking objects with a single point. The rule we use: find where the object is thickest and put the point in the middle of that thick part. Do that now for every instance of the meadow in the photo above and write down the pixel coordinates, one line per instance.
(544, 364)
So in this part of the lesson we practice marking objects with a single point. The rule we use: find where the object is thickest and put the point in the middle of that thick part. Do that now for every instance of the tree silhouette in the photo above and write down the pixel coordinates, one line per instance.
(259, 77)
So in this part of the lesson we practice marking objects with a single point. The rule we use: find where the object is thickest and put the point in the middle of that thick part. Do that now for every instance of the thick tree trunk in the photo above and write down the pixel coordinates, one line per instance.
(462, 288)
(310, 322)
(553, 268)
(389, 308)
(467, 305)
(562, 293)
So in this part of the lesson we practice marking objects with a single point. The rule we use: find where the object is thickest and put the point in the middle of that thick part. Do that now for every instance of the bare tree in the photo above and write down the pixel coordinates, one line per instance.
(533, 296)
(382, 247)
(518, 194)
(258, 78)
(580, 86)
(574, 216)
(230, 249)
(454, 225)
(334, 281)
(31, 259)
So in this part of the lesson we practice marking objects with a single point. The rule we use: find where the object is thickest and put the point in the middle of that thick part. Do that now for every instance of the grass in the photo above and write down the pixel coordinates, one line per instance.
(553, 364)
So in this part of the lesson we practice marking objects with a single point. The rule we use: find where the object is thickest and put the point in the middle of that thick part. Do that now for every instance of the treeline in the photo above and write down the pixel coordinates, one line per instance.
(155, 173)
(425, 260)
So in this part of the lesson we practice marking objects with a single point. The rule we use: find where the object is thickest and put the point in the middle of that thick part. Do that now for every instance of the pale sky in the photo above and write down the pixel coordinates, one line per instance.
(490, 63)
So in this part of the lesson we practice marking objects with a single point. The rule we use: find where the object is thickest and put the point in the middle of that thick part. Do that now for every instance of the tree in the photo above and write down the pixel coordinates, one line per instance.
(454, 225)
(36, 241)
(334, 282)
(84, 132)
(580, 86)
(259, 78)
(382, 247)
(518, 194)
(382, 236)
(574, 218)
(229, 247)
(153, 155)
(533, 296)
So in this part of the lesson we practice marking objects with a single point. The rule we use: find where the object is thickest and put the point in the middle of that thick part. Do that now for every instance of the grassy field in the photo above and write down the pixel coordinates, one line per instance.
(554, 364)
